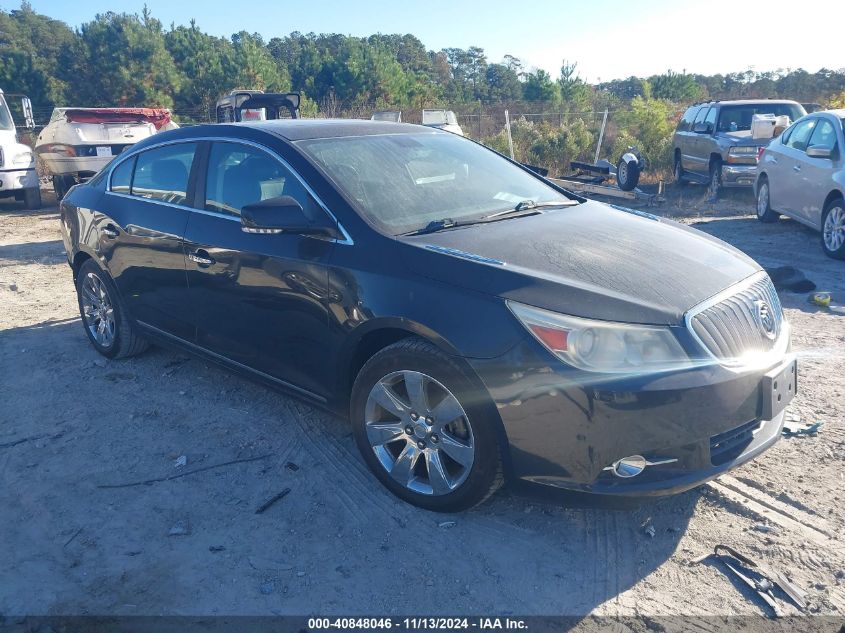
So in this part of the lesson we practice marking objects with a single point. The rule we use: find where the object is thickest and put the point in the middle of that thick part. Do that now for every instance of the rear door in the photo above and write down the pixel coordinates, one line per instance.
(698, 145)
(684, 133)
(817, 172)
(260, 300)
(791, 186)
(147, 210)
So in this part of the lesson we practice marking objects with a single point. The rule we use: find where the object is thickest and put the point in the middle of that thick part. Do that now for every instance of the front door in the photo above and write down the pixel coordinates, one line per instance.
(258, 299)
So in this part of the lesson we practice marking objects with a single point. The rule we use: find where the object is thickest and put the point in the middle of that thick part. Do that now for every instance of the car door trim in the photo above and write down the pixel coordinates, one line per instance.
(345, 240)
(228, 361)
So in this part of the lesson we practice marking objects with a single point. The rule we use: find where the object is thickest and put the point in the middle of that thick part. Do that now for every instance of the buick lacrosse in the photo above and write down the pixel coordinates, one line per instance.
(477, 323)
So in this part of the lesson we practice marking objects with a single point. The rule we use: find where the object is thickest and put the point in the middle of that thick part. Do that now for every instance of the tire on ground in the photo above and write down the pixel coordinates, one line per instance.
(415, 354)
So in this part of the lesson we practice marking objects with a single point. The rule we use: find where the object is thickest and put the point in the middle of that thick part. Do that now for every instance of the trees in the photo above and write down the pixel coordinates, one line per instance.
(124, 60)
(540, 87)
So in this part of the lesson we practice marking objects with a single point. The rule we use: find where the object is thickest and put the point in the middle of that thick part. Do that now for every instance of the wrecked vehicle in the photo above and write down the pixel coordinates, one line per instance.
(257, 105)
(18, 177)
(78, 142)
(442, 120)
(718, 142)
(491, 327)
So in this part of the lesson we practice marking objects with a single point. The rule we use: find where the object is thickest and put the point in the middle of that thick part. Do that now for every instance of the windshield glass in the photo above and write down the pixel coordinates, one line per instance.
(402, 182)
(6, 122)
(738, 118)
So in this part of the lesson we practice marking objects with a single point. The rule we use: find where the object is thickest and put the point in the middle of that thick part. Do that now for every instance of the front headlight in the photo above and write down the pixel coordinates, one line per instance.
(24, 158)
(603, 346)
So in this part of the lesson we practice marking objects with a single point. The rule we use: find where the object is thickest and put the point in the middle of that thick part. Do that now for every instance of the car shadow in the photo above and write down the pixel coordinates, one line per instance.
(51, 252)
(106, 422)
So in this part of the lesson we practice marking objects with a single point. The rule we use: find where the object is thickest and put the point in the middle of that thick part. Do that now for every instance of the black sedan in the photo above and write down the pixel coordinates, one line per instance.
(477, 323)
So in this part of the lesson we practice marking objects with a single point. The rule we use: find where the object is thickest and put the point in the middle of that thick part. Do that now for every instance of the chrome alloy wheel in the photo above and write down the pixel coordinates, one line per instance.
(763, 199)
(98, 310)
(419, 432)
(834, 228)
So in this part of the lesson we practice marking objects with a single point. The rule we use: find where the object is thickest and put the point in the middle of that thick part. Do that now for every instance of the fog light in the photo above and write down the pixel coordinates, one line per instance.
(630, 466)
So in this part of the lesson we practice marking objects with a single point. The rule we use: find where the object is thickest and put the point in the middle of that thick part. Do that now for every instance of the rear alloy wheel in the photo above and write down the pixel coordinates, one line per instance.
(715, 179)
(833, 229)
(680, 180)
(415, 434)
(764, 208)
(106, 323)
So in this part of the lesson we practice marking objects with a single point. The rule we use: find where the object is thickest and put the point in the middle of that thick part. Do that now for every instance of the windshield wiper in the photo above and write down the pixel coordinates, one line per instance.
(528, 205)
(439, 225)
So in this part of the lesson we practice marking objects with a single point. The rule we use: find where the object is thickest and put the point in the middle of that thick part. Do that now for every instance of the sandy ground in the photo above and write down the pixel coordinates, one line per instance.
(71, 422)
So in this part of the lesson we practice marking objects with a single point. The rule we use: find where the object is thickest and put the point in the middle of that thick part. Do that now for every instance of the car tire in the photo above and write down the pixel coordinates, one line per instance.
(32, 198)
(399, 443)
(764, 208)
(104, 316)
(715, 187)
(833, 229)
(678, 172)
(627, 175)
(60, 186)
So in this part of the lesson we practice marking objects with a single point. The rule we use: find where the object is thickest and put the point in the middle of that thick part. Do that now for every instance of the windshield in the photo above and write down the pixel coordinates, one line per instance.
(738, 118)
(6, 122)
(402, 182)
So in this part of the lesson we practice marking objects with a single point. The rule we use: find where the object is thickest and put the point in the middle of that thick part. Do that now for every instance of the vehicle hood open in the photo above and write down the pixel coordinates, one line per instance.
(593, 260)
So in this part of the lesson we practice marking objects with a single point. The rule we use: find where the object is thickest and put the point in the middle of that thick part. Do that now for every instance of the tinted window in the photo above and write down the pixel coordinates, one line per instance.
(404, 181)
(800, 136)
(685, 124)
(699, 118)
(738, 118)
(711, 119)
(239, 175)
(824, 135)
(121, 177)
(162, 173)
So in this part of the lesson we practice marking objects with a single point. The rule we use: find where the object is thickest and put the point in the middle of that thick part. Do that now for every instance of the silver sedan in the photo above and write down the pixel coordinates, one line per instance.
(801, 174)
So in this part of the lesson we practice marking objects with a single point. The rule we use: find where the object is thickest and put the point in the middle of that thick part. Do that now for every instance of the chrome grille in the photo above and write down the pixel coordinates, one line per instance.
(1, 156)
(730, 326)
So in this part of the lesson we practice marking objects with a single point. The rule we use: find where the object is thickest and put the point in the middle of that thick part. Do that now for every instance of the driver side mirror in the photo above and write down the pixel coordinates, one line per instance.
(283, 215)
(819, 151)
(701, 128)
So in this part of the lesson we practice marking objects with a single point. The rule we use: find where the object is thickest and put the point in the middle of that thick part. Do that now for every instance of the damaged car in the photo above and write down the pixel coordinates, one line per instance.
(475, 322)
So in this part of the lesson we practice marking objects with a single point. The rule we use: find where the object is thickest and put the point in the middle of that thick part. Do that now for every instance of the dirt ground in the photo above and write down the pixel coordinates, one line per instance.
(338, 543)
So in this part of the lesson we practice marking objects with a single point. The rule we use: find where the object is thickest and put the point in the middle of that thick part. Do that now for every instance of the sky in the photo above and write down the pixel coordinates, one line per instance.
(609, 39)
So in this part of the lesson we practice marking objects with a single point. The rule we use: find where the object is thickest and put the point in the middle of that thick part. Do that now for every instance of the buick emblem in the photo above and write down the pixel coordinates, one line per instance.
(765, 318)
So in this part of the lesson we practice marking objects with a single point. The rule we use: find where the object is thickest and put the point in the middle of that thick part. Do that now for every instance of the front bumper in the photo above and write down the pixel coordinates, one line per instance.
(739, 175)
(12, 180)
(564, 427)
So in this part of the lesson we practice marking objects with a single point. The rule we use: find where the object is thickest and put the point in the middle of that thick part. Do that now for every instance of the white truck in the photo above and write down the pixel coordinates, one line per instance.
(18, 177)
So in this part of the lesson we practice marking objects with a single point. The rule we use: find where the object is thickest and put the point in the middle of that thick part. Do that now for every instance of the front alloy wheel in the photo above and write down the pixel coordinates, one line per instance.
(426, 427)
(833, 230)
(419, 433)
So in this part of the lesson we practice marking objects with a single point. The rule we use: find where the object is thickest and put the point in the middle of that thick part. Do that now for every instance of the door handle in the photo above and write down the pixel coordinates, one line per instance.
(201, 257)
(110, 231)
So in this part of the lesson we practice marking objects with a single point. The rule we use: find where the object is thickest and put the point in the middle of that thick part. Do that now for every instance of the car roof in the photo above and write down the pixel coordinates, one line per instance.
(302, 129)
(748, 102)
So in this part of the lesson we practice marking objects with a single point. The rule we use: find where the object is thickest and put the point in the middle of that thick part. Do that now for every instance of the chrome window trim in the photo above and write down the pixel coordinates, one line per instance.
(345, 240)
(779, 347)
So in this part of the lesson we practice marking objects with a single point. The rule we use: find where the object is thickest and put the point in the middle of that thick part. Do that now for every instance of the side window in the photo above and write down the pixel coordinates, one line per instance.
(239, 175)
(699, 118)
(800, 135)
(824, 135)
(121, 177)
(685, 124)
(162, 173)
(710, 120)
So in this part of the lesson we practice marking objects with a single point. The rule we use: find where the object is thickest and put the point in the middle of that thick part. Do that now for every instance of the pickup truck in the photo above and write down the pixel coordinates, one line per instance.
(713, 143)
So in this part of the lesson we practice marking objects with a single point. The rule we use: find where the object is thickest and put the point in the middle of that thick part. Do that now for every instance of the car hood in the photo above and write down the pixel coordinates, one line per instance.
(743, 138)
(593, 260)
